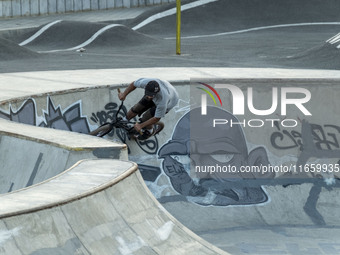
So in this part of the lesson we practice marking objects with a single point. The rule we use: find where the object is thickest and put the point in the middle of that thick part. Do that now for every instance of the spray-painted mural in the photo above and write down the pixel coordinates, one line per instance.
(320, 141)
(193, 143)
(201, 146)
(324, 136)
(26, 114)
(70, 119)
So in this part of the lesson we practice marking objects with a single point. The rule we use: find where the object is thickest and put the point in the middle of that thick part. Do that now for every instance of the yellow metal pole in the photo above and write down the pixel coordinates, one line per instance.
(178, 30)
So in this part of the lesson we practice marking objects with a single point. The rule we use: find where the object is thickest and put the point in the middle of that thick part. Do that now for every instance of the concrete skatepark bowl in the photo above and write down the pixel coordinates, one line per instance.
(65, 192)
(295, 215)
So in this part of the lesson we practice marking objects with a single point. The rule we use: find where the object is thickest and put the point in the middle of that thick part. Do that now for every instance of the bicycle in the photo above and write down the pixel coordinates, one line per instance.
(126, 125)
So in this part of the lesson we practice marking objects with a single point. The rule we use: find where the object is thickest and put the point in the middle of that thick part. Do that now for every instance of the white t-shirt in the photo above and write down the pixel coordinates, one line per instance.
(165, 99)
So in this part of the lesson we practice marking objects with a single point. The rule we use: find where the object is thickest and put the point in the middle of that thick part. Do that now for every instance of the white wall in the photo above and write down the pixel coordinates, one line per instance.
(15, 8)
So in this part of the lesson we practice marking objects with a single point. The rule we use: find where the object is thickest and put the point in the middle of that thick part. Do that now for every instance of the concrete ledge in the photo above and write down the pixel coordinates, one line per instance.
(83, 179)
(59, 138)
(59, 81)
(31, 154)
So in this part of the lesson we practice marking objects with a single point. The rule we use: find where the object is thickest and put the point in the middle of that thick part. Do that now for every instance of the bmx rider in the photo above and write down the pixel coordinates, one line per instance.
(159, 98)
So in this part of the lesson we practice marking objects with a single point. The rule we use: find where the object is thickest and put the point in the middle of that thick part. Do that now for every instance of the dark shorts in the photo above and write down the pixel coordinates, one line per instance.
(145, 107)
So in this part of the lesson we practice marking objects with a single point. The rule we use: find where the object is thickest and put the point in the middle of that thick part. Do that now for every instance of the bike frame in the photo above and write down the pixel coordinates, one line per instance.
(116, 123)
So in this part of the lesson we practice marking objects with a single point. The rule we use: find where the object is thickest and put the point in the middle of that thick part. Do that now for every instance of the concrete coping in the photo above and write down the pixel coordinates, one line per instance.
(64, 139)
(58, 82)
(83, 179)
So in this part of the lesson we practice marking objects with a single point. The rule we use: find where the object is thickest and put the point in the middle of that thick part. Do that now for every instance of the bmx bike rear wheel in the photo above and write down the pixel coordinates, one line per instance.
(158, 127)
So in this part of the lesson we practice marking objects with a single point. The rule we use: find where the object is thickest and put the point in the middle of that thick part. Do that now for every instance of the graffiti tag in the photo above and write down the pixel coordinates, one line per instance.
(325, 137)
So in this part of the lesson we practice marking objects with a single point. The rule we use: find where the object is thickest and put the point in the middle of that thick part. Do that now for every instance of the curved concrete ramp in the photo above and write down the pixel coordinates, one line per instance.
(96, 207)
(30, 154)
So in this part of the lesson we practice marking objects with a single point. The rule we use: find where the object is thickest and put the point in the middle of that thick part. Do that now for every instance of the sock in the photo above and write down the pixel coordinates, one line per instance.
(124, 118)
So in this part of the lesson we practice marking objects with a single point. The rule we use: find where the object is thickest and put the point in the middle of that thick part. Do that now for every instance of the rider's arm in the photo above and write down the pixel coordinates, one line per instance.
(149, 122)
(127, 91)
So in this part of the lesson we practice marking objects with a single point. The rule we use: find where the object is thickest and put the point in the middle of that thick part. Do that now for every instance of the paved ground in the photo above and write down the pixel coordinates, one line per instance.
(221, 34)
(94, 16)
(252, 36)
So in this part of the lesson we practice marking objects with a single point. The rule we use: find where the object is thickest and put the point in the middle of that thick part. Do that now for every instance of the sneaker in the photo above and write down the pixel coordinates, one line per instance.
(146, 134)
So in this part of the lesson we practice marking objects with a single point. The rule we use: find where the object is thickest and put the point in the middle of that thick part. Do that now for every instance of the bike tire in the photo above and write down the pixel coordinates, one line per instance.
(102, 130)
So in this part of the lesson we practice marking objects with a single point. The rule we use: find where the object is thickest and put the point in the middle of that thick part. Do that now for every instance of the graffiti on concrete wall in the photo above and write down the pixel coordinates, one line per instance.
(70, 119)
(325, 136)
(202, 146)
(26, 114)
(229, 147)
(320, 142)
(313, 140)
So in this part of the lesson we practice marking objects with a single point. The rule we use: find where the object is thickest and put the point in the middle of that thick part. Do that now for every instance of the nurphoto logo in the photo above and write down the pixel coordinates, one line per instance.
(280, 97)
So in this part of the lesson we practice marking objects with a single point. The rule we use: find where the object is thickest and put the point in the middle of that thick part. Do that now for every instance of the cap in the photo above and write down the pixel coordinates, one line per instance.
(152, 88)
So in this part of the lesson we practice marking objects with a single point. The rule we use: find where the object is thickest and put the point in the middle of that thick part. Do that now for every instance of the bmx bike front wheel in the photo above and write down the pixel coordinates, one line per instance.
(102, 130)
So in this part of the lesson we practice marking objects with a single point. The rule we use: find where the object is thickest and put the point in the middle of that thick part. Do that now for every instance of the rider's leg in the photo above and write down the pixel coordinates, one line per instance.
(139, 108)
(152, 129)
(130, 115)
(148, 115)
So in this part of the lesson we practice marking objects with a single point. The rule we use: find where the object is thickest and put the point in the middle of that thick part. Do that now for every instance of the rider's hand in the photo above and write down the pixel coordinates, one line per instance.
(121, 96)
(138, 127)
